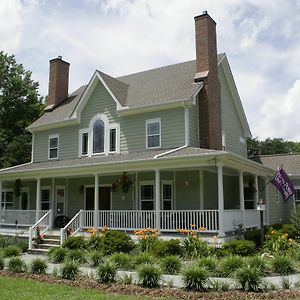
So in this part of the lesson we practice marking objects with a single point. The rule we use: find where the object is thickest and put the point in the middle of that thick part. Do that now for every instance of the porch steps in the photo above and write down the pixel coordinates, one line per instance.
(49, 241)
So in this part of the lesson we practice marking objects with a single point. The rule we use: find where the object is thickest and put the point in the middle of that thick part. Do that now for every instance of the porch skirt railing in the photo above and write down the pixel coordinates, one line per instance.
(170, 220)
(13, 217)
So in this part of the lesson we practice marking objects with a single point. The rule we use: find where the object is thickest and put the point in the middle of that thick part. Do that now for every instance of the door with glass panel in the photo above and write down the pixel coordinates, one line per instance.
(60, 198)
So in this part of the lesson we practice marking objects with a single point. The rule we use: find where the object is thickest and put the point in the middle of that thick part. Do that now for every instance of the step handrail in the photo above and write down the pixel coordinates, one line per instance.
(76, 221)
(34, 226)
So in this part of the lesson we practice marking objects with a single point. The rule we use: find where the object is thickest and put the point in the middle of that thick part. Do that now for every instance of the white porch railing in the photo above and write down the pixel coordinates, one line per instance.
(22, 217)
(171, 220)
(43, 224)
(72, 227)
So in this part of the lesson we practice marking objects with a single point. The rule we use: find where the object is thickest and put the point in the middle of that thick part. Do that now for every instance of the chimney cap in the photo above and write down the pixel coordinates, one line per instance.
(58, 58)
(204, 15)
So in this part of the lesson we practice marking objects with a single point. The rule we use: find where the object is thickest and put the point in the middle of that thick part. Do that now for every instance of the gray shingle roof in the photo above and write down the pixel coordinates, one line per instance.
(98, 160)
(290, 162)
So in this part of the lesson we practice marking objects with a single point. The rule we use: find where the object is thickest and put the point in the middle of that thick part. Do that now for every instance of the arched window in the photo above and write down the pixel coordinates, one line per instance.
(98, 136)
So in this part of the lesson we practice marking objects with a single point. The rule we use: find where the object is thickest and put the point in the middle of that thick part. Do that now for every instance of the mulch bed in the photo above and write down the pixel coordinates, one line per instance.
(135, 290)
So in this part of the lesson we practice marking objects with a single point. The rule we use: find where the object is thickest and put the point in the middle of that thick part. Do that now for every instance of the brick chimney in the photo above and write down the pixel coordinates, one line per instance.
(58, 82)
(210, 123)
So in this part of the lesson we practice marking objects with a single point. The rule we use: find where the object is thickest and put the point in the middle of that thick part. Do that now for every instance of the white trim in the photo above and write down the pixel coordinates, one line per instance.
(174, 180)
(153, 121)
(223, 141)
(187, 125)
(117, 127)
(53, 136)
(32, 147)
(80, 133)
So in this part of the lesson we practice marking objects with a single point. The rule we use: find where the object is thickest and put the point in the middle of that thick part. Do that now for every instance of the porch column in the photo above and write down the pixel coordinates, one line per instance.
(53, 204)
(96, 205)
(256, 187)
(242, 197)
(38, 199)
(157, 199)
(221, 200)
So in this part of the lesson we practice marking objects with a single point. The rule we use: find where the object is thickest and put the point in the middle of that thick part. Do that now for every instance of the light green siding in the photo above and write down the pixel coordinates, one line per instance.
(279, 210)
(210, 186)
(231, 192)
(231, 123)
(194, 126)
(132, 128)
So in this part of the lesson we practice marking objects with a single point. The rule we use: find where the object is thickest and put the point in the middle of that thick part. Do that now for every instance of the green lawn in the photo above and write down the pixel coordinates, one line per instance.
(16, 288)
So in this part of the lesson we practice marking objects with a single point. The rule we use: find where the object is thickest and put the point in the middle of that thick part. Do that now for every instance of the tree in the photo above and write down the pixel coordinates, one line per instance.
(20, 105)
(271, 146)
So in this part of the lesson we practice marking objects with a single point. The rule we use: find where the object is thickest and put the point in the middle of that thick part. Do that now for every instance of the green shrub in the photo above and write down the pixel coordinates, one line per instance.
(4, 241)
(75, 242)
(149, 275)
(144, 258)
(77, 255)
(195, 247)
(257, 262)
(249, 278)
(278, 242)
(240, 247)
(195, 278)
(116, 241)
(22, 245)
(11, 251)
(17, 265)
(57, 254)
(107, 272)
(253, 235)
(171, 264)
(162, 248)
(38, 266)
(282, 265)
(69, 270)
(210, 263)
(290, 230)
(230, 264)
(94, 242)
(220, 286)
(122, 260)
(295, 221)
(127, 279)
(96, 258)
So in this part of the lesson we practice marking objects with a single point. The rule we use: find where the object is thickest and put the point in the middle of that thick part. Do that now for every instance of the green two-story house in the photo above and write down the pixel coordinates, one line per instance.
(163, 148)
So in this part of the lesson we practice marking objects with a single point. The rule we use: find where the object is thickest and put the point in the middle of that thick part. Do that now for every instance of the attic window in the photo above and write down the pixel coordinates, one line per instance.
(98, 137)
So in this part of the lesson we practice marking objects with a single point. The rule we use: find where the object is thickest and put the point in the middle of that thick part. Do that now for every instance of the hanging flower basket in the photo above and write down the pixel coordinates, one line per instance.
(125, 182)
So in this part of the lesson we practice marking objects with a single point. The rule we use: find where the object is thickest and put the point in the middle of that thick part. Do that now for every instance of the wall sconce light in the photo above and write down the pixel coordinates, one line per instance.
(186, 183)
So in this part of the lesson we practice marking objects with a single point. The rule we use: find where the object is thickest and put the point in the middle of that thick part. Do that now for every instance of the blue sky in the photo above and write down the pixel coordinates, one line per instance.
(261, 40)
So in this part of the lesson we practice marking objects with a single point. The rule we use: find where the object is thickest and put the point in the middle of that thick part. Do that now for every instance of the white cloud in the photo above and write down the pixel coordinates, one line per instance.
(261, 39)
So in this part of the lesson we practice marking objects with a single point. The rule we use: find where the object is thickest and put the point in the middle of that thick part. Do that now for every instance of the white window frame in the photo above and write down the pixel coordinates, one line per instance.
(148, 182)
(167, 182)
(50, 190)
(152, 121)
(277, 195)
(60, 187)
(81, 132)
(4, 201)
(107, 127)
(295, 200)
(53, 136)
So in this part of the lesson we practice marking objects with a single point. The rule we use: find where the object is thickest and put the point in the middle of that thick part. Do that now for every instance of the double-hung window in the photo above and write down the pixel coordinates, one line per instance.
(45, 198)
(113, 140)
(7, 199)
(53, 146)
(297, 196)
(83, 142)
(147, 195)
(153, 133)
(167, 195)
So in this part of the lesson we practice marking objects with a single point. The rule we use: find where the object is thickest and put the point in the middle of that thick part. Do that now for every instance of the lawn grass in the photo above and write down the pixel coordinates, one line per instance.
(23, 289)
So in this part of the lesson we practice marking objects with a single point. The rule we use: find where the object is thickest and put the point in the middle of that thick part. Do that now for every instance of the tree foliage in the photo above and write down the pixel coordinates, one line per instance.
(20, 105)
(271, 146)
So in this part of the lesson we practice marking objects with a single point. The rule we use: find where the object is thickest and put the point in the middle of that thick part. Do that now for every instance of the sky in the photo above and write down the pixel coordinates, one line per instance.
(261, 39)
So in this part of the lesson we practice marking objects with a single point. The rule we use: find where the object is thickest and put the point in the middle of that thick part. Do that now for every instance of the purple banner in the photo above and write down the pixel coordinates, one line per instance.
(283, 184)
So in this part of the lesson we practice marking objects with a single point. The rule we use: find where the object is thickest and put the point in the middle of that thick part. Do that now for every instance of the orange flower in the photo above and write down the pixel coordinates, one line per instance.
(202, 228)
(193, 225)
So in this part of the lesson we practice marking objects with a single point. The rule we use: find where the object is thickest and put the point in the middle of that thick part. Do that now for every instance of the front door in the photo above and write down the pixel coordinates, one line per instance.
(104, 198)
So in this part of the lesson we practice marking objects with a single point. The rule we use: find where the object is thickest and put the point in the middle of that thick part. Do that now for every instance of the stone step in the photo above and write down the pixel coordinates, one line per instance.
(51, 241)
(38, 251)
(52, 237)
(45, 246)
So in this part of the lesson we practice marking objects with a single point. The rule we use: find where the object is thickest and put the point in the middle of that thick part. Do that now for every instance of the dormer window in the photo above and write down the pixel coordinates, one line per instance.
(53, 146)
(101, 137)
(98, 136)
